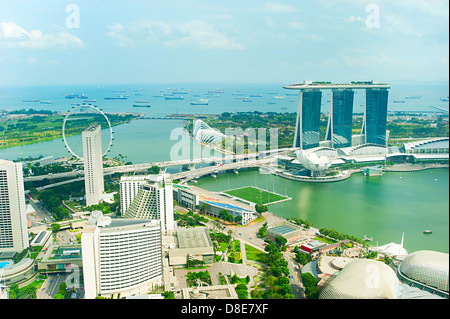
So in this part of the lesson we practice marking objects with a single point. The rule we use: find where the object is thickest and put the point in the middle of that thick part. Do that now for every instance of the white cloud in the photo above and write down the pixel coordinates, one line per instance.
(353, 19)
(14, 36)
(31, 59)
(198, 33)
(279, 7)
(296, 25)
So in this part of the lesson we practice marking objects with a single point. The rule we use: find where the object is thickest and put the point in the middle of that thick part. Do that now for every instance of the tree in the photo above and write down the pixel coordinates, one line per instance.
(281, 241)
(56, 227)
(260, 208)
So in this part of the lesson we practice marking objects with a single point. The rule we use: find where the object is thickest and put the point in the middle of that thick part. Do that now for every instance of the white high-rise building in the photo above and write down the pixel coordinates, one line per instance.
(120, 256)
(13, 219)
(93, 164)
(148, 197)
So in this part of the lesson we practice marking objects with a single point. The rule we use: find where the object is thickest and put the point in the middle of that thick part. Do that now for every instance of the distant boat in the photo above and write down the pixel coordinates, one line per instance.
(413, 97)
(35, 100)
(90, 100)
(284, 108)
(256, 95)
(427, 231)
(279, 97)
(142, 105)
(141, 101)
(444, 99)
(246, 100)
(46, 102)
(216, 91)
(399, 101)
(121, 97)
(200, 102)
(75, 96)
(270, 102)
(174, 98)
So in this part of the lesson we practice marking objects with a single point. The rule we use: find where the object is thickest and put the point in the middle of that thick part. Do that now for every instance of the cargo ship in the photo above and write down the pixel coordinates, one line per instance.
(142, 105)
(121, 97)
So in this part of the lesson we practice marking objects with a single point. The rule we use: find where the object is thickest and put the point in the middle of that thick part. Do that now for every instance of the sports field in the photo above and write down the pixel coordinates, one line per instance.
(256, 195)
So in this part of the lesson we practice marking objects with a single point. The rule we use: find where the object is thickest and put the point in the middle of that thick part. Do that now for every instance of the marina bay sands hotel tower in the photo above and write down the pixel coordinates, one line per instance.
(339, 129)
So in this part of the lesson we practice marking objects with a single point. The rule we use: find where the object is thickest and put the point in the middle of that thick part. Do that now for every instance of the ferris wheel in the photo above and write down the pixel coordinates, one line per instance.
(71, 112)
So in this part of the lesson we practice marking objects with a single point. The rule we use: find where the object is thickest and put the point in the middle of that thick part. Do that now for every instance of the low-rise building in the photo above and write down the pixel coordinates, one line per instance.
(191, 244)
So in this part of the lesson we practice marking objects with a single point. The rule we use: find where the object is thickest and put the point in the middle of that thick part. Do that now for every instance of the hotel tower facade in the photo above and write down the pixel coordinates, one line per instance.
(93, 164)
(339, 128)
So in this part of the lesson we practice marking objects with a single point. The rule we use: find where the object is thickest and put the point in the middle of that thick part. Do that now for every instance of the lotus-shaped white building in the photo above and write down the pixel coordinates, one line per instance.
(204, 134)
(313, 162)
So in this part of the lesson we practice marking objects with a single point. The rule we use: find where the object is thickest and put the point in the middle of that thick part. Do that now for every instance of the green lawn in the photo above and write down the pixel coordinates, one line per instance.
(255, 254)
(255, 195)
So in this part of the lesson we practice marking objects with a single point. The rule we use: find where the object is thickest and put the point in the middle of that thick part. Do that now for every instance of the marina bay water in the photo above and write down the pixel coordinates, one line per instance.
(379, 207)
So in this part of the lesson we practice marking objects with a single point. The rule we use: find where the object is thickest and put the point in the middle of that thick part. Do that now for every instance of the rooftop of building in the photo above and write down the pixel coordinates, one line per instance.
(92, 128)
(329, 85)
(193, 237)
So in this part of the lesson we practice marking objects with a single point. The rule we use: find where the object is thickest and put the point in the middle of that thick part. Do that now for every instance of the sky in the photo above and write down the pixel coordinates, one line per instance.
(77, 42)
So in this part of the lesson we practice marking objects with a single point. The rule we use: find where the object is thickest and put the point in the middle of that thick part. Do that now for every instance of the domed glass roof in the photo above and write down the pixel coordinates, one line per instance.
(362, 279)
(427, 267)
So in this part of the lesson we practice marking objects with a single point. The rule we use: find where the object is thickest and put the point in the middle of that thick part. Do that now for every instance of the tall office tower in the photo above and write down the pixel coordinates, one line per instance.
(93, 164)
(13, 219)
(120, 256)
(339, 130)
(154, 200)
(307, 133)
(376, 116)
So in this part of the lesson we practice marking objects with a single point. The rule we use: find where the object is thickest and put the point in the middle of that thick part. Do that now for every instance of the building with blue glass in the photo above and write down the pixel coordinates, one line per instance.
(339, 129)
(307, 131)
(374, 127)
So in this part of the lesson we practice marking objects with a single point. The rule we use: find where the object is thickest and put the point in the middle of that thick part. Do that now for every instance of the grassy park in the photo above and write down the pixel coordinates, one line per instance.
(256, 195)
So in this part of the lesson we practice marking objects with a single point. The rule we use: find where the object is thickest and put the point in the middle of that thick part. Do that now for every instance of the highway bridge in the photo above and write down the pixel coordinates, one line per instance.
(229, 159)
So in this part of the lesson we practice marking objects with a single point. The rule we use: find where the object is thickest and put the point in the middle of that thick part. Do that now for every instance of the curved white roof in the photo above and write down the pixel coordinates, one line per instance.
(204, 134)
(362, 279)
(428, 267)
(313, 162)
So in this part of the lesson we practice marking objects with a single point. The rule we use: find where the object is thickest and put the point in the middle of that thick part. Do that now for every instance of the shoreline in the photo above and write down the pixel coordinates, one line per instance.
(55, 137)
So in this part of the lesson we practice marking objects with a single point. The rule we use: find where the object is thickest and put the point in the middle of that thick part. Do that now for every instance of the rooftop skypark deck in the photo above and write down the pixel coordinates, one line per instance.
(329, 85)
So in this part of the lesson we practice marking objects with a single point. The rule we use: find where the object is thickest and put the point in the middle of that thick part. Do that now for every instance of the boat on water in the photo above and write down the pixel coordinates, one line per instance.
(445, 99)
(256, 95)
(279, 97)
(94, 100)
(284, 108)
(200, 102)
(142, 105)
(414, 97)
(141, 101)
(398, 101)
(45, 102)
(246, 100)
(121, 97)
(174, 98)
(216, 91)
(270, 102)
(427, 231)
(35, 100)
(75, 96)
